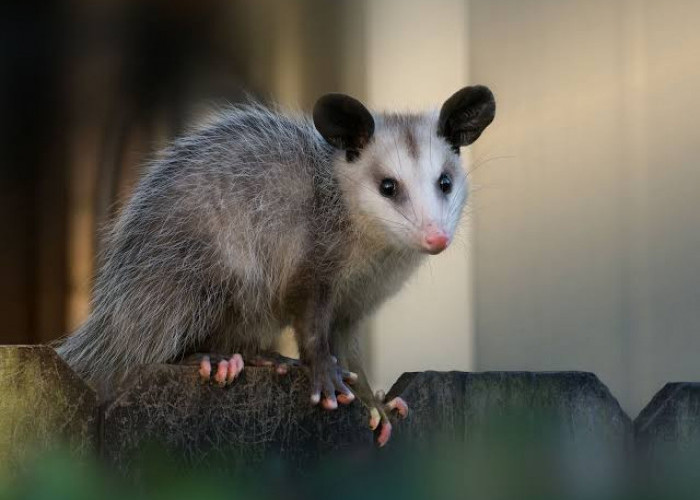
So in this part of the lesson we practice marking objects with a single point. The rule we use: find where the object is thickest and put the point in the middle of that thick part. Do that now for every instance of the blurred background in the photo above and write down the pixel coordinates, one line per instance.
(581, 244)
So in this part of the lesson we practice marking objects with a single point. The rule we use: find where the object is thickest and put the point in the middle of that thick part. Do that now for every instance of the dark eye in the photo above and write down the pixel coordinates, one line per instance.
(388, 187)
(445, 183)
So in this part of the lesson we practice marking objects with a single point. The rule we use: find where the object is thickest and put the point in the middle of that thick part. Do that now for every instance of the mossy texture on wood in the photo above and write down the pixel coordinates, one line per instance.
(43, 406)
(260, 417)
(667, 432)
(533, 430)
(264, 416)
(566, 421)
(672, 417)
(461, 406)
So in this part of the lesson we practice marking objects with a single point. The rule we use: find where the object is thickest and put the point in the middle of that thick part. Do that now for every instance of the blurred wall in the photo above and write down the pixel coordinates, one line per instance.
(416, 57)
(587, 234)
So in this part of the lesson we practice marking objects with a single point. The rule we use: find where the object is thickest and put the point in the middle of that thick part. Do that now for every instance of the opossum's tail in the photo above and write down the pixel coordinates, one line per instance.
(154, 322)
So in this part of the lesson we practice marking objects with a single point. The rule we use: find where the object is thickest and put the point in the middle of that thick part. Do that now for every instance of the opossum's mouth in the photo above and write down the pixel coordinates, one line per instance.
(434, 242)
(434, 251)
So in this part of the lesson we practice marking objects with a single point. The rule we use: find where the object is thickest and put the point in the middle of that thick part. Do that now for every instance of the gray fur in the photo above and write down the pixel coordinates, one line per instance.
(225, 235)
(186, 267)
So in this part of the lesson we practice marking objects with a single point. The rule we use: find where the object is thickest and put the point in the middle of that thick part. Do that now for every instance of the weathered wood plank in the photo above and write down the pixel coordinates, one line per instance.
(43, 406)
(261, 416)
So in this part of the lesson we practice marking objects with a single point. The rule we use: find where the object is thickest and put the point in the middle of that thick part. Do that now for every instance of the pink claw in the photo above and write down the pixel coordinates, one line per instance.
(374, 418)
(399, 405)
(235, 367)
(231, 372)
(384, 433)
(238, 360)
(346, 399)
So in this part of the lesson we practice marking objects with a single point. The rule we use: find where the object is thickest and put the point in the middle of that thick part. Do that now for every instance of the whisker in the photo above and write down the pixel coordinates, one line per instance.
(410, 200)
(479, 163)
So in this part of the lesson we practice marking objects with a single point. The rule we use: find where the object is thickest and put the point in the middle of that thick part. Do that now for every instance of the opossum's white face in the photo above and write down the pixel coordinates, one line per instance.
(407, 184)
(401, 174)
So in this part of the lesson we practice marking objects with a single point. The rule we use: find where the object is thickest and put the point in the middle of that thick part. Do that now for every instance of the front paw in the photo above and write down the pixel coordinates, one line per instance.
(327, 379)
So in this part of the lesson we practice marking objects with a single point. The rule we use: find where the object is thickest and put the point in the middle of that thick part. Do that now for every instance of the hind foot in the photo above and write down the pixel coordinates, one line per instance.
(221, 370)
(396, 404)
(379, 417)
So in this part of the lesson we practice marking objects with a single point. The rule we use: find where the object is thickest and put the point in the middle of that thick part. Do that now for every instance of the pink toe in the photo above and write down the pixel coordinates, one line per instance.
(329, 404)
(239, 362)
(205, 368)
(235, 366)
(232, 371)
(221, 372)
(384, 434)
(346, 399)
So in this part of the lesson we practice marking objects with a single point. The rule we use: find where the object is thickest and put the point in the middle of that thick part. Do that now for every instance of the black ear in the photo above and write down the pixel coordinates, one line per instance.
(465, 115)
(344, 122)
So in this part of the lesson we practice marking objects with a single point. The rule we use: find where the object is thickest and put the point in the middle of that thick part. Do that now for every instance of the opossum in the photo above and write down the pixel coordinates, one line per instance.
(261, 220)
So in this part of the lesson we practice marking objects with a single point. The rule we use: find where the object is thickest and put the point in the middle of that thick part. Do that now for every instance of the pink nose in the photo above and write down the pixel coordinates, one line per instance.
(435, 242)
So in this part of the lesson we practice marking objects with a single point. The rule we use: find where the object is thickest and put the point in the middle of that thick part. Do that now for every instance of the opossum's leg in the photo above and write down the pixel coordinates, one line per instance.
(378, 416)
(225, 369)
(311, 326)
(379, 410)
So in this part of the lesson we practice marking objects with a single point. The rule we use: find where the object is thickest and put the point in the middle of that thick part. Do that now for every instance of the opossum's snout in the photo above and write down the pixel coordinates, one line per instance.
(434, 240)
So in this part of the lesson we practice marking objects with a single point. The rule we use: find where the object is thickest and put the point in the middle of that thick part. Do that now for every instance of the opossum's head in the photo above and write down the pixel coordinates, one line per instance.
(400, 173)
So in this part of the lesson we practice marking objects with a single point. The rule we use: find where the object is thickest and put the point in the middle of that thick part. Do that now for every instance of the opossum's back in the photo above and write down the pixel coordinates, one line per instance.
(254, 141)
(261, 168)
(244, 183)
(250, 160)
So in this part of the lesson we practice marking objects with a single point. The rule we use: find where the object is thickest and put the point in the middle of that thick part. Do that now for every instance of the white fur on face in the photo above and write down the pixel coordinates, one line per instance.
(416, 162)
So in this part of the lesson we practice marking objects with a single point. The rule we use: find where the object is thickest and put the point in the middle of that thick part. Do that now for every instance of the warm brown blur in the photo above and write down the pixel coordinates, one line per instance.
(91, 89)
(584, 245)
